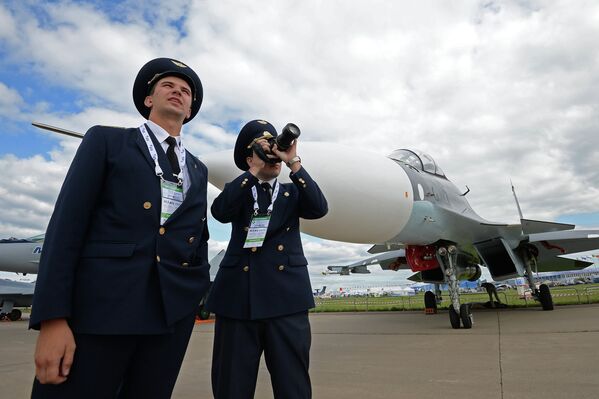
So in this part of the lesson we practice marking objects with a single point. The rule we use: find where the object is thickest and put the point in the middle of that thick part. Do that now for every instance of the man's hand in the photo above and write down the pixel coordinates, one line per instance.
(54, 352)
(287, 155)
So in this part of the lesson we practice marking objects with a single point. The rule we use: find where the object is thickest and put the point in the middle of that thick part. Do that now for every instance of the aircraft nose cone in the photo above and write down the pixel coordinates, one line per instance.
(369, 195)
(221, 168)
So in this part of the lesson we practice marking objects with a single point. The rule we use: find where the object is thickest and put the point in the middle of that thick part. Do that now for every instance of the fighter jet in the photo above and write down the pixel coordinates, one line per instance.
(417, 219)
(404, 201)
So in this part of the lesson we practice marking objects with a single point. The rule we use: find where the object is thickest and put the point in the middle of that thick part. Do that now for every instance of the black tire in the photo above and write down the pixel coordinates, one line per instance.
(430, 300)
(15, 315)
(466, 315)
(202, 313)
(454, 317)
(545, 297)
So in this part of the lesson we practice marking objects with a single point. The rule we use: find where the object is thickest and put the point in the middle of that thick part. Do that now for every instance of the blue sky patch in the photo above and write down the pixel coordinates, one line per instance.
(581, 219)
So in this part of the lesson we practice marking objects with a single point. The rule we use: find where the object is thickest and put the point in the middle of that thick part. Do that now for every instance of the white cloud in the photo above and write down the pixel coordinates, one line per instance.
(10, 101)
(492, 91)
(27, 197)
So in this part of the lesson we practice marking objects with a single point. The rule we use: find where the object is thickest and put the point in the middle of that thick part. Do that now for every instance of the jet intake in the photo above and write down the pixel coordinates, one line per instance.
(422, 257)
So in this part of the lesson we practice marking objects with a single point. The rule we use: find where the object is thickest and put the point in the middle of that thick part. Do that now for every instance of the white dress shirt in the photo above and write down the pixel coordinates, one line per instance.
(161, 135)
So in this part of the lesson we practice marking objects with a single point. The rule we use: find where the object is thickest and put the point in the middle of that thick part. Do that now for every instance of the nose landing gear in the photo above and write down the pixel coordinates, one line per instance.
(447, 257)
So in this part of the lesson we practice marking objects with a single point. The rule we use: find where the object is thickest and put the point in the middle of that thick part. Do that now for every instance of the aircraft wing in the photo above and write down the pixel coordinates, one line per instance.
(554, 245)
(17, 293)
(391, 260)
(379, 248)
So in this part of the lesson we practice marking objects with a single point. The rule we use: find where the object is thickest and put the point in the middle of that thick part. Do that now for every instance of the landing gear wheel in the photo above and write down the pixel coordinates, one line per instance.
(545, 297)
(466, 315)
(454, 317)
(202, 313)
(430, 303)
(15, 315)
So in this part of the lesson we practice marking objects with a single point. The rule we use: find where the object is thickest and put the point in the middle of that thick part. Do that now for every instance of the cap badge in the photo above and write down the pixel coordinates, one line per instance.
(179, 64)
(263, 122)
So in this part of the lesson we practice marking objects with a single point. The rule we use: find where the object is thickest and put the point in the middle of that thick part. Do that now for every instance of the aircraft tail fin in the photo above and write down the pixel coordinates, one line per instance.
(516, 199)
(215, 263)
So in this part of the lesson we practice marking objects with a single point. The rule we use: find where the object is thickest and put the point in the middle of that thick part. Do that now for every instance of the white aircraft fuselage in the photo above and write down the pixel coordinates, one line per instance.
(20, 256)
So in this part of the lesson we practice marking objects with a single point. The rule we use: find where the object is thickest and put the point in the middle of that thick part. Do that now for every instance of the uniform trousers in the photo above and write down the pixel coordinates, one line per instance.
(238, 347)
(123, 366)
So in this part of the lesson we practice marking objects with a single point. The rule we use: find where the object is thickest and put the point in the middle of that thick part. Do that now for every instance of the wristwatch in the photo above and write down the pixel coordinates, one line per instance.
(293, 160)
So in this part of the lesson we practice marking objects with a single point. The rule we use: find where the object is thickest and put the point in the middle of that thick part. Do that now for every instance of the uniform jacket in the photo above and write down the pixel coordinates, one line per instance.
(272, 280)
(108, 266)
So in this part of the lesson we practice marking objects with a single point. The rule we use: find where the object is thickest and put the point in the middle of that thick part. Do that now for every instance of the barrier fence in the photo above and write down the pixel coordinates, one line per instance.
(512, 298)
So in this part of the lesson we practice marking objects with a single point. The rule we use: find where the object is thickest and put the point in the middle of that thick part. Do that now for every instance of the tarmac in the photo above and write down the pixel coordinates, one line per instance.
(508, 354)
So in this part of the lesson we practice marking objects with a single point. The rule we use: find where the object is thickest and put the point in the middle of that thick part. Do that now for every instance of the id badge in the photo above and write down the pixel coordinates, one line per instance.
(257, 231)
(172, 197)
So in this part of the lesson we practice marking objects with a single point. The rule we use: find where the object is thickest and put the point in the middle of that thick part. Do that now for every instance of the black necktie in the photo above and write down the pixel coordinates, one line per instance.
(172, 155)
(266, 187)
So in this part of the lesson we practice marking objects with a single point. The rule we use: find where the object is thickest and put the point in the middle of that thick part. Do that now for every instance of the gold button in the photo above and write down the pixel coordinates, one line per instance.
(246, 268)
(301, 180)
(147, 205)
(287, 228)
(184, 264)
(281, 267)
(161, 230)
(286, 194)
(157, 258)
(254, 249)
(280, 247)
(305, 186)
(246, 228)
(191, 240)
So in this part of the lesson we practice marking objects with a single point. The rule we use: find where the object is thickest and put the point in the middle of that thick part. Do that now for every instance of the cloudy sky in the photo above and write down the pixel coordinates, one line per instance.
(492, 90)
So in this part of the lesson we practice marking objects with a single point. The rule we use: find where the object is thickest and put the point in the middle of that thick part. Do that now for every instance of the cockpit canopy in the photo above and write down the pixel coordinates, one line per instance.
(418, 160)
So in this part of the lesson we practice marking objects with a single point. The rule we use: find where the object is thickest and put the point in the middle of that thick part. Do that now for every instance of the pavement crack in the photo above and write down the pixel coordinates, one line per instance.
(499, 357)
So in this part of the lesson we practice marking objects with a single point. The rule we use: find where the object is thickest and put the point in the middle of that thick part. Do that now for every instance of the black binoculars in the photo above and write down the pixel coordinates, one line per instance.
(283, 141)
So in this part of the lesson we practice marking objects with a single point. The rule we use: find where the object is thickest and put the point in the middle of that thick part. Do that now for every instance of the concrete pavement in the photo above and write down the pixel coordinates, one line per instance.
(509, 354)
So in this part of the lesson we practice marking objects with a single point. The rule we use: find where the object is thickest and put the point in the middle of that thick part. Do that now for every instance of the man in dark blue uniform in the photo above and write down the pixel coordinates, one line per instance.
(262, 293)
(125, 263)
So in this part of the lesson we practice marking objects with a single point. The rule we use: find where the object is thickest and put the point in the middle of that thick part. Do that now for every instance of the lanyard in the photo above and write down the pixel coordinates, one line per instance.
(275, 192)
(154, 155)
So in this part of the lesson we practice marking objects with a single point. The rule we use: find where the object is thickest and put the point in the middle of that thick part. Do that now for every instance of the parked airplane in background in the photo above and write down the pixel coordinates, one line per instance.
(404, 201)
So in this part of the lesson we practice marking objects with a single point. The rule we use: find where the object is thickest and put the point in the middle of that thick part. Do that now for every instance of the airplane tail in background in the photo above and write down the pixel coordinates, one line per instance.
(215, 263)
